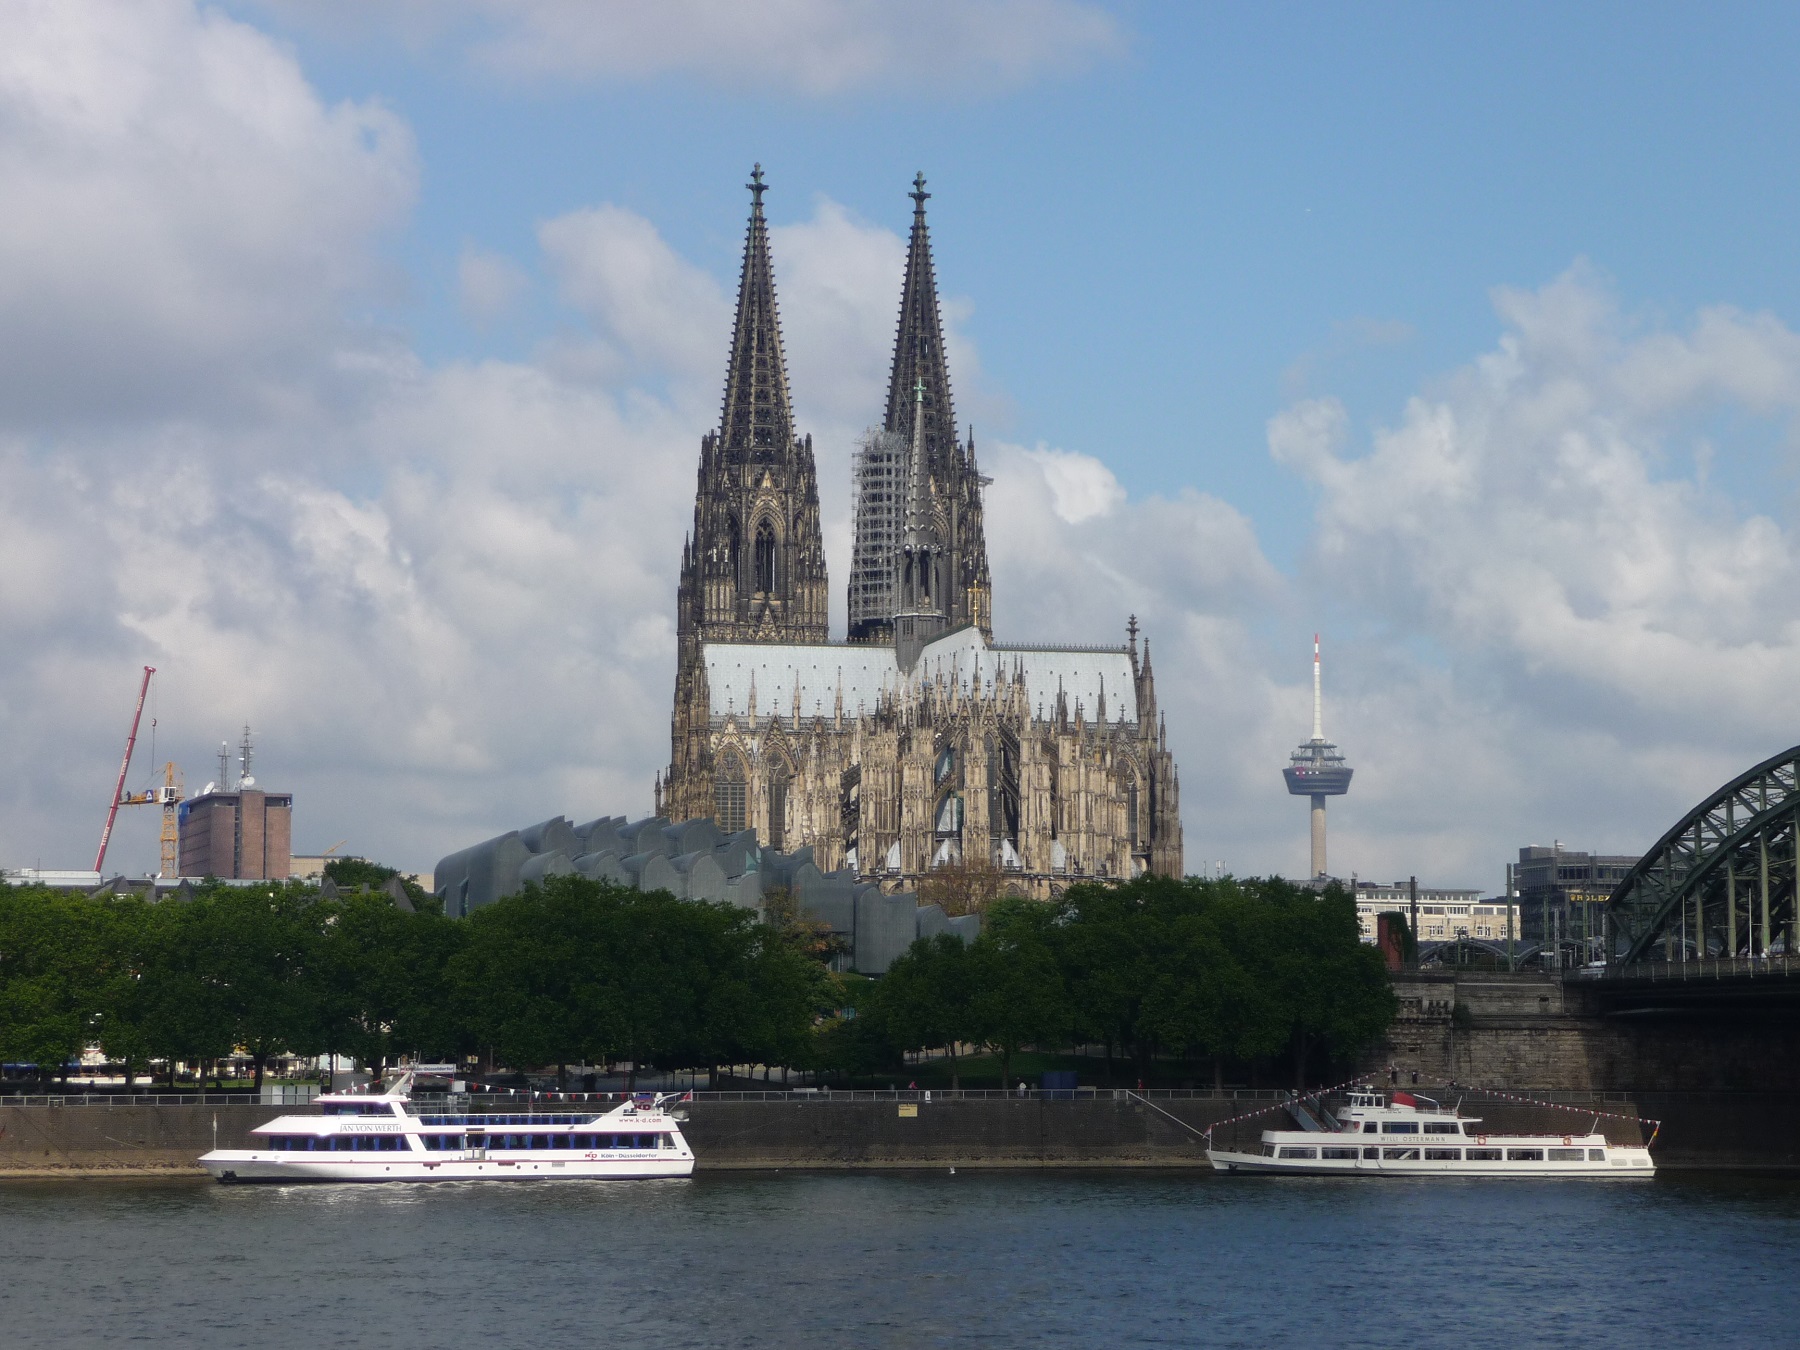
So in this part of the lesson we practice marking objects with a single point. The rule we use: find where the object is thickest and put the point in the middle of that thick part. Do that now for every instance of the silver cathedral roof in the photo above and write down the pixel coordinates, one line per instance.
(865, 673)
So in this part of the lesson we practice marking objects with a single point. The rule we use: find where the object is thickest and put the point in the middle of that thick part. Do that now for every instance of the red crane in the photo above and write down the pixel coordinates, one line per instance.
(118, 797)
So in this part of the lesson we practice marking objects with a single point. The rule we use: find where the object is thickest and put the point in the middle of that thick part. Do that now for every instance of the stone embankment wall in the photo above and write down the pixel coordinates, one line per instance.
(1532, 1031)
(1704, 1130)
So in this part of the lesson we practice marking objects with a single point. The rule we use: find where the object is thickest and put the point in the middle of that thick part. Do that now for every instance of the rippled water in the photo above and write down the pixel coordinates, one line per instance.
(897, 1259)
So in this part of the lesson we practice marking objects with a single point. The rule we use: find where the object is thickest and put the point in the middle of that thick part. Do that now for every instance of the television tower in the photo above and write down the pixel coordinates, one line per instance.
(1318, 771)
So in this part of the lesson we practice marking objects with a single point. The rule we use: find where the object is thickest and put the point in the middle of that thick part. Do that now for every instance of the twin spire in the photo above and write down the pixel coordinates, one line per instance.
(919, 349)
(758, 419)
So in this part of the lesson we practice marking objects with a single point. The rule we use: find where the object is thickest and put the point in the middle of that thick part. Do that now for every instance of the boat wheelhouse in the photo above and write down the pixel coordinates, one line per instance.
(1409, 1135)
(384, 1136)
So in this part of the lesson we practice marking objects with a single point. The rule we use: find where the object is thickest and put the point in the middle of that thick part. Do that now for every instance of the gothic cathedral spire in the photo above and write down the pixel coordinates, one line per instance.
(757, 420)
(755, 571)
(942, 484)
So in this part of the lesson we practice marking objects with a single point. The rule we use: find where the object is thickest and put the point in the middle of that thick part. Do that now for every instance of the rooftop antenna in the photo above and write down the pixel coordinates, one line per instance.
(244, 756)
(224, 759)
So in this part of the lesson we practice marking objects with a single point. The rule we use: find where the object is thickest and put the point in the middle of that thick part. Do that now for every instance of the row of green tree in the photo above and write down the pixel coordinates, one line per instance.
(1217, 972)
(574, 972)
(579, 972)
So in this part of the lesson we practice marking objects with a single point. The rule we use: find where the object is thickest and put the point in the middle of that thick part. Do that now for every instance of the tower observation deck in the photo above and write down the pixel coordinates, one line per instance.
(1318, 771)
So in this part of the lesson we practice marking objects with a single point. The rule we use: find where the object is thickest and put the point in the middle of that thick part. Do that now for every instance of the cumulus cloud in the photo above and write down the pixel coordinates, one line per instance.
(184, 214)
(488, 284)
(1585, 629)
(807, 48)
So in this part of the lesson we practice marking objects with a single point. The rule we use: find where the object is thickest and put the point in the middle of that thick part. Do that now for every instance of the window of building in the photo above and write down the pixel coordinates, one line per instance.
(765, 559)
(778, 798)
(728, 795)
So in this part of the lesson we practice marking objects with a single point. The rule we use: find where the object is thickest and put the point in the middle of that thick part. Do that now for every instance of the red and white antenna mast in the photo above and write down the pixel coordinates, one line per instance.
(118, 795)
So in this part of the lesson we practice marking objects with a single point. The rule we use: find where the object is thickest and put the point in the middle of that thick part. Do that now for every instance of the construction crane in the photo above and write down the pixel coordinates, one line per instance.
(119, 795)
(167, 794)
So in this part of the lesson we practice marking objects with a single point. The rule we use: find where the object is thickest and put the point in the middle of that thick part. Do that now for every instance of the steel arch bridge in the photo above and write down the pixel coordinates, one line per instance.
(1721, 883)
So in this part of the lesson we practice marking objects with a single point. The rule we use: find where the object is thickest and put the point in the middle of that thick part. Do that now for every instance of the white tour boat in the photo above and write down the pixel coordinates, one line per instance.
(1408, 1136)
(382, 1136)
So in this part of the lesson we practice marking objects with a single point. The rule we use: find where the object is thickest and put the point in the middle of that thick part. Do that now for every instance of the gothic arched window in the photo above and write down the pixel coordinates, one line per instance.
(728, 795)
(925, 576)
(735, 544)
(765, 559)
(778, 795)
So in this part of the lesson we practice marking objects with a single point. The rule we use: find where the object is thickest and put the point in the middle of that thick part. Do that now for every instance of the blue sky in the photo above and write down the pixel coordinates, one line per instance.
(354, 358)
(1231, 205)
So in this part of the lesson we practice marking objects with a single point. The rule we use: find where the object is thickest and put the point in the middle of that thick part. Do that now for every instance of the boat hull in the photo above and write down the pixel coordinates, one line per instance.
(1623, 1164)
(247, 1165)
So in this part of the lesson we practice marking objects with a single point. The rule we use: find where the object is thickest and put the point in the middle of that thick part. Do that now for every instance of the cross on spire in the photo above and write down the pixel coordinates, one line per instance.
(919, 194)
(757, 188)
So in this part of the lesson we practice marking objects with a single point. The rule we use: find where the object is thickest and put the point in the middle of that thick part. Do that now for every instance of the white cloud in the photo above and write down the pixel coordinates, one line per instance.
(785, 48)
(488, 284)
(1564, 630)
(183, 213)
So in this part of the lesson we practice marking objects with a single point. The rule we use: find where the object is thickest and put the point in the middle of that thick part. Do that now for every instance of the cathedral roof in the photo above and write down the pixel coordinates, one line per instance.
(775, 670)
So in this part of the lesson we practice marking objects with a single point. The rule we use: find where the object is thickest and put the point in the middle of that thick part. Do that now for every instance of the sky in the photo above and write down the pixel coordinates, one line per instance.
(354, 359)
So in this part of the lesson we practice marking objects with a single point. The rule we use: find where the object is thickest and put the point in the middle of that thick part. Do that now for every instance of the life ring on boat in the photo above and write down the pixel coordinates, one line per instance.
(1481, 1139)
(1568, 1139)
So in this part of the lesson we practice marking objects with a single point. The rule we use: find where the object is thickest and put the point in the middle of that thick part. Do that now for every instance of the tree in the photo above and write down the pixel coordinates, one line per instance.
(927, 998)
(60, 955)
(1018, 997)
(960, 888)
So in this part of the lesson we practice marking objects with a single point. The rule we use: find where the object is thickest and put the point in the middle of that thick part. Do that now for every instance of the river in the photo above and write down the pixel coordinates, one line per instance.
(901, 1259)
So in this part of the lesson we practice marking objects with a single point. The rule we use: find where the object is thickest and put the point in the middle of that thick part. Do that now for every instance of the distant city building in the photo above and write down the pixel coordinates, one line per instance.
(246, 834)
(1443, 914)
(1318, 771)
(237, 835)
(1562, 893)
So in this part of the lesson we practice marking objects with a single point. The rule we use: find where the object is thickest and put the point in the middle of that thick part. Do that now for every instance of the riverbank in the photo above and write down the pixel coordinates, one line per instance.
(898, 1131)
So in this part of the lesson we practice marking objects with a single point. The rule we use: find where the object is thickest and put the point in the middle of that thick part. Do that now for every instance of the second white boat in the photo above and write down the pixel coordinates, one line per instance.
(1406, 1135)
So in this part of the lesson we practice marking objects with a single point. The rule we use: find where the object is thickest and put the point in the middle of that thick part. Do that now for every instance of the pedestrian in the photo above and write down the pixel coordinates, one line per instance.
(1022, 1088)
(913, 1086)
(1393, 1075)
(1415, 1081)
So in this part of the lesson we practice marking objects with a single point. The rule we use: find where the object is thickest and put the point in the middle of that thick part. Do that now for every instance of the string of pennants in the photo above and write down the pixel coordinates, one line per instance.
(1357, 1082)
(1655, 1125)
(1284, 1103)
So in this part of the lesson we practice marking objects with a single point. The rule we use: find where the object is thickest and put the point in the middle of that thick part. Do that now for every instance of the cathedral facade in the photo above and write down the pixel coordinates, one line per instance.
(918, 742)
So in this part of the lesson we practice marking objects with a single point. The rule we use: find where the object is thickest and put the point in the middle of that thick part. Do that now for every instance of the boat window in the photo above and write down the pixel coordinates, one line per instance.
(1372, 1153)
(1296, 1151)
(1524, 1155)
(540, 1141)
(1440, 1127)
(1400, 1154)
(1443, 1155)
(1596, 1155)
(1370, 1127)
(1482, 1154)
(1326, 1152)
(1566, 1155)
(1400, 1127)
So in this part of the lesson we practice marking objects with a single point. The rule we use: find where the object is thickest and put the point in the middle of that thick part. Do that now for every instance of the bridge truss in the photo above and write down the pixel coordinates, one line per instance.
(1721, 883)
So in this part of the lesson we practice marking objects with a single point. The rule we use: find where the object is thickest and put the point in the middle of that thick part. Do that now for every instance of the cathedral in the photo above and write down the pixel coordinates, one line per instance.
(918, 742)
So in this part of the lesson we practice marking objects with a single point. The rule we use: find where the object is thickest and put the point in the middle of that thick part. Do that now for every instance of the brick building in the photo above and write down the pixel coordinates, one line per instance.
(243, 835)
